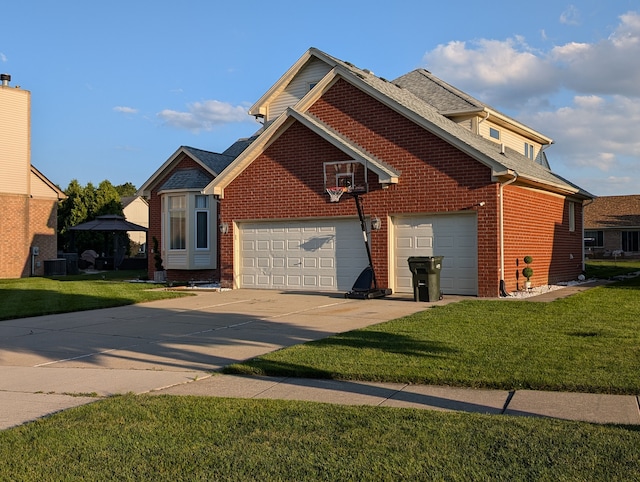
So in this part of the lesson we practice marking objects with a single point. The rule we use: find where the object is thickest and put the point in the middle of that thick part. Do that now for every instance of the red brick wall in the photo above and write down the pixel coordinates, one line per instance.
(26, 222)
(537, 225)
(43, 228)
(286, 181)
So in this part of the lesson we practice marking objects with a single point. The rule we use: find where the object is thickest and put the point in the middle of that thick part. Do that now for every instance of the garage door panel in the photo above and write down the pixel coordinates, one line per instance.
(451, 236)
(305, 255)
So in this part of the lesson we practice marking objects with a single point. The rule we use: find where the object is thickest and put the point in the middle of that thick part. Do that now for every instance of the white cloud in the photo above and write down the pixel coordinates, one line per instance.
(586, 96)
(3, 57)
(571, 16)
(205, 115)
(609, 66)
(125, 110)
(596, 138)
(500, 71)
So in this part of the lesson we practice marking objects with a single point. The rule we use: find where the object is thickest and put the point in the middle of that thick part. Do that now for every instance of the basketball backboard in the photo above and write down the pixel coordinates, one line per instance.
(351, 175)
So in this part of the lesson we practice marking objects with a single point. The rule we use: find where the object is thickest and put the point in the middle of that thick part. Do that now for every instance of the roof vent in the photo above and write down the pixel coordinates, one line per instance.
(5, 79)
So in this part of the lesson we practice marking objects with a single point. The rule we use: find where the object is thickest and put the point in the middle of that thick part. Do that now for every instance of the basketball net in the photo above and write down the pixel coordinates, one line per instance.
(335, 193)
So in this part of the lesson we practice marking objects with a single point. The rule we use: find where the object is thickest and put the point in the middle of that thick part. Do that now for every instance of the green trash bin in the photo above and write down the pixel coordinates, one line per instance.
(426, 277)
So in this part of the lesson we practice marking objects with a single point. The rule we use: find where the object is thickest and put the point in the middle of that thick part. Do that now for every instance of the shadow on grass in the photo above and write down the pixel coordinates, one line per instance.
(357, 342)
(385, 342)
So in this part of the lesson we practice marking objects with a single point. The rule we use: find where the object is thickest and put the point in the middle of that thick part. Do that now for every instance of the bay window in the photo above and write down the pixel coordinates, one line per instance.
(177, 222)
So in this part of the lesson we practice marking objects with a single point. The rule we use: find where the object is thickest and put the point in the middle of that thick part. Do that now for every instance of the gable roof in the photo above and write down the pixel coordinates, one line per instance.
(126, 200)
(451, 102)
(212, 162)
(186, 179)
(444, 97)
(46, 182)
(613, 212)
(504, 165)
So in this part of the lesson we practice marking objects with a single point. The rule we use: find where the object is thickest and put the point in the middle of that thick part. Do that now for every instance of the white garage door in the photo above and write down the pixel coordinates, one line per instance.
(451, 236)
(319, 255)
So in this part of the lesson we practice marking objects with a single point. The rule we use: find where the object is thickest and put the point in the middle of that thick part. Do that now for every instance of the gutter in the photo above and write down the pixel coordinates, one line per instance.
(503, 291)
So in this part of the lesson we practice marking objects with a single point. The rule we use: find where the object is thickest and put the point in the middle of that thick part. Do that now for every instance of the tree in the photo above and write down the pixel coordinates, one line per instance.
(85, 204)
(127, 189)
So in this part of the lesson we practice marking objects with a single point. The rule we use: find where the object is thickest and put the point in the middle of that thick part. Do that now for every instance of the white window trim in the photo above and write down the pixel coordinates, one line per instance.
(195, 229)
(572, 216)
(184, 211)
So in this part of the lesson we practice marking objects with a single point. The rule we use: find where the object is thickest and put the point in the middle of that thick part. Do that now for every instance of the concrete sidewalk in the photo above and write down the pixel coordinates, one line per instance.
(51, 363)
(595, 408)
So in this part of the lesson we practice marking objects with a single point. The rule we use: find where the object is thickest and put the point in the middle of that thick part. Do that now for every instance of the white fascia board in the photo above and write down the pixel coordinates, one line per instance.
(386, 174)
(233, 170)
(258, 108)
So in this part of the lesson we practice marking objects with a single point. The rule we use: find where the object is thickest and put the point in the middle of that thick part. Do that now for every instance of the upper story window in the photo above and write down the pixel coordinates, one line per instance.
(572, 217)
(202, 222)
(177, 222)
(529, 150)
(494, 133)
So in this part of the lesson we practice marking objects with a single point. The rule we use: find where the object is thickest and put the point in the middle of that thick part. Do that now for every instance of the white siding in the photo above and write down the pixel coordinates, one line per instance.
(314, 71)
(508, 138)
(15, 140)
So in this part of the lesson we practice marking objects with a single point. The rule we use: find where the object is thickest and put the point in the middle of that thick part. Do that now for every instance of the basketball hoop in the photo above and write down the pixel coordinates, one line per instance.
(335, 193)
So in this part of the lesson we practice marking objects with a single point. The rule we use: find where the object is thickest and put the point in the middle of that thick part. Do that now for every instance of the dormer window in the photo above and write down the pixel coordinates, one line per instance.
(494, 133)
(529, 150)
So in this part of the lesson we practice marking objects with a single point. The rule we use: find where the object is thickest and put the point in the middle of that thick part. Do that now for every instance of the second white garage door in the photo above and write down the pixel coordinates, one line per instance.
(452, 236)
(318, 255)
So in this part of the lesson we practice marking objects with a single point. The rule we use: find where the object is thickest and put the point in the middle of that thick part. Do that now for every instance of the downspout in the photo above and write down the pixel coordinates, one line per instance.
(481, 121)
(584, 205)
(503, 291)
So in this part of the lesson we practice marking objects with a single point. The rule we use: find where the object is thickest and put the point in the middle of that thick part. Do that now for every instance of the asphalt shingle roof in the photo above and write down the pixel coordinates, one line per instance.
(609, 212)
(442, 96)
(185, 179)
(490, 152)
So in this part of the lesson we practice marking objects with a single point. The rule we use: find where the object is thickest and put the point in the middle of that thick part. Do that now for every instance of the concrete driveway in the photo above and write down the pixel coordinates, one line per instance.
(55, 362)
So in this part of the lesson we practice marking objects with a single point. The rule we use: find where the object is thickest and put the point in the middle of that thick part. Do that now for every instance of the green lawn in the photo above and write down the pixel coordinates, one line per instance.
(44, 296)
(166, 438)
(588, 342)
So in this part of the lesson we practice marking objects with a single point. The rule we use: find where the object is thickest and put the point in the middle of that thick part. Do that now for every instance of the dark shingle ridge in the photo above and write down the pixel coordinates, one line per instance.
(184, 179)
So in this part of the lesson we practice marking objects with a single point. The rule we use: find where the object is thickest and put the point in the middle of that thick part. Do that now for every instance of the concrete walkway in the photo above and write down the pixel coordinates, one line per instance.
(55, 362)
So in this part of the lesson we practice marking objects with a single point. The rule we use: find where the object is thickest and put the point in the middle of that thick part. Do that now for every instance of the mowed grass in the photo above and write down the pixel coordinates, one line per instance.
(166, 438)
(589, 342)
(586, 342)
(20, 298)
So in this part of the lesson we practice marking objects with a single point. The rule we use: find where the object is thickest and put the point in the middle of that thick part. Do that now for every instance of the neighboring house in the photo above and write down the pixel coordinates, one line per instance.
(28, 200)
(136, 211)
(612, 226)
(443, 175)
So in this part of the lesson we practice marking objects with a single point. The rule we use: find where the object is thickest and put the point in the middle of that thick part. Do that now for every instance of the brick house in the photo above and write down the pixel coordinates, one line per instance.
(28, 200)
(441, 174)
(612, 226)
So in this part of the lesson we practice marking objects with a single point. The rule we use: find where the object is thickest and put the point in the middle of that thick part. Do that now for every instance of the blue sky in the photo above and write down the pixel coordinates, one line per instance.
(118, 86)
